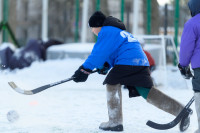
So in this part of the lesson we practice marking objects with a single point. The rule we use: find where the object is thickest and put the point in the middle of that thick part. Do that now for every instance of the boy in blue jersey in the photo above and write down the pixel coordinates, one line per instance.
(117, 49)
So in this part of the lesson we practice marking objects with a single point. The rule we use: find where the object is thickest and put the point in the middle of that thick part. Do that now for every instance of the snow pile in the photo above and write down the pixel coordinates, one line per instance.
(6, 44)
(73, 47)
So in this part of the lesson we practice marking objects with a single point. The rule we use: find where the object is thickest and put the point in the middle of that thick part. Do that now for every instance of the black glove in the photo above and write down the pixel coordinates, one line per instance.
(81, 74)
(104, 70)
(185, 71)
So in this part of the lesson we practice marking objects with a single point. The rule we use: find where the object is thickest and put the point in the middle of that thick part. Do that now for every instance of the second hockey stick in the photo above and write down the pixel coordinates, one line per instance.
(174, 122)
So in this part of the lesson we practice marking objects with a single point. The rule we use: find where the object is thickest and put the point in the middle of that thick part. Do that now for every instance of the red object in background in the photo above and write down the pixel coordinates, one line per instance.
(150, 58)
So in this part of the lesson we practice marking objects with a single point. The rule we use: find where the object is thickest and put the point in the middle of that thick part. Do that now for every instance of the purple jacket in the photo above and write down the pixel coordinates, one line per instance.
(190, 43)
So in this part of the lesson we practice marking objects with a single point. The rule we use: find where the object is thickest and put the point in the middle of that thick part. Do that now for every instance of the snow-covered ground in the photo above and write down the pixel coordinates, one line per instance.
(80, 107)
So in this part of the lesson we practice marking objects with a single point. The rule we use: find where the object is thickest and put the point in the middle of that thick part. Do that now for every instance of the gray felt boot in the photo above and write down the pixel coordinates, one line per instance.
(114, 104)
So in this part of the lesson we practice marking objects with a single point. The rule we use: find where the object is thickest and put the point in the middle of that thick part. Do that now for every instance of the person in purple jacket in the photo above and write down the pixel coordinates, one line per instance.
(190, 52)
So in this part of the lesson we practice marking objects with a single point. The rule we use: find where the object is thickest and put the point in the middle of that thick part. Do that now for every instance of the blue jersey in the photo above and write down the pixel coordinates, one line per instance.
(117, 47)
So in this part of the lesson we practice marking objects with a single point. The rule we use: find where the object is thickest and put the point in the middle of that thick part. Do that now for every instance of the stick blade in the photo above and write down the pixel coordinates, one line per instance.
(161, 126)
(170, 124)
(12, 85)
(19, 90)
(175, 121)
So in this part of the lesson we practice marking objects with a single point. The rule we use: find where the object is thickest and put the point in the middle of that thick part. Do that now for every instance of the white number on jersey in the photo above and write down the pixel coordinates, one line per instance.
(130, 37)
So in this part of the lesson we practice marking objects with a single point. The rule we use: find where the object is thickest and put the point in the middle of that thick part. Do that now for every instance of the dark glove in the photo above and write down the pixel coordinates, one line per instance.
(185, 71)
(81, 74)
(104, 70)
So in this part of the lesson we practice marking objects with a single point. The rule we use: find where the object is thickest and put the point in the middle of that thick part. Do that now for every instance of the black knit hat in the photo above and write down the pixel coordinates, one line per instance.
(97, 19)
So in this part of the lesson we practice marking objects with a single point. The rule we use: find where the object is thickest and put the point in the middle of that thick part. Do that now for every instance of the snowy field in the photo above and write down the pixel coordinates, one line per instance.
(80, 107)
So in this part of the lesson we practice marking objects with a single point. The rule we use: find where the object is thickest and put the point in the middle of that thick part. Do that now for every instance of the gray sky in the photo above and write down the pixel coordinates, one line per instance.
(163, 2)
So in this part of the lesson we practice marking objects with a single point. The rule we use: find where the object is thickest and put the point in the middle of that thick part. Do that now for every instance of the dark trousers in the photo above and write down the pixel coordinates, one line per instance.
(196, 80)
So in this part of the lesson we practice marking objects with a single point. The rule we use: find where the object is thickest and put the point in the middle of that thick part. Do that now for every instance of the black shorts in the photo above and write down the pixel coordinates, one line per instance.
(129, 76)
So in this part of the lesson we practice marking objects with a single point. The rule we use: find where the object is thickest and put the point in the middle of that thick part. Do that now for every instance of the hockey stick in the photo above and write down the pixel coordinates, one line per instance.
(36, 90)
(39, 89)
(172, 123)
